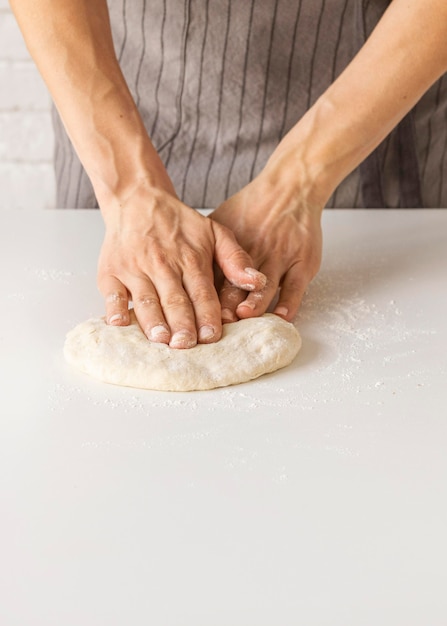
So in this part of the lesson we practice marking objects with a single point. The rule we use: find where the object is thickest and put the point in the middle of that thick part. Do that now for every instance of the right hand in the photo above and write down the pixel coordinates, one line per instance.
(159, 254)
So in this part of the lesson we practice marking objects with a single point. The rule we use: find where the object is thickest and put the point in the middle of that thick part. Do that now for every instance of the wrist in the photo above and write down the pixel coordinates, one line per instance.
(126, 165)
(311, 158)
(326, 145)
(136, 204)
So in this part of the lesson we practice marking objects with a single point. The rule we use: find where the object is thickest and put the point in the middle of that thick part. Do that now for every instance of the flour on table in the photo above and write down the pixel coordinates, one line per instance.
(122, 355)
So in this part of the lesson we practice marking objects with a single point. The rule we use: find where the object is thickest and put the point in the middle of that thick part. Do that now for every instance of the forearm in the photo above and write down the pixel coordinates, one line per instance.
(71, 43)
(405, 55)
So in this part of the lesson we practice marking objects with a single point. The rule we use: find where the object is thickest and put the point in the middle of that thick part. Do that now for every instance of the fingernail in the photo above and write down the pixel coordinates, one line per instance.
(158, 334)
(182, 339)
(228, 316)
(282, 311)
(206, 333)
(116, 318)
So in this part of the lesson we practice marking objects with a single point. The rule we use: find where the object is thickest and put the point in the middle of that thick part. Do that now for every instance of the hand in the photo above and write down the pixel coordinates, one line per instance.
(282, 234)
(159, 253)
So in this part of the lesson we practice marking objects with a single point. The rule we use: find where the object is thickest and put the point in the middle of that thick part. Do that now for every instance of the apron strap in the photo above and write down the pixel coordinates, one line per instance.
(371, 182)
(409, 178)
(371, 170)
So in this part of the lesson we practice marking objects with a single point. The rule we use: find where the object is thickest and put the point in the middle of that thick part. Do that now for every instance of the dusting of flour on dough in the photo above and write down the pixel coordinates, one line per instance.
(123, 356)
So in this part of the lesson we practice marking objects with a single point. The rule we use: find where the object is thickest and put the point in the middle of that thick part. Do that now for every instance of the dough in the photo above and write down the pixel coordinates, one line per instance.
(123, 355)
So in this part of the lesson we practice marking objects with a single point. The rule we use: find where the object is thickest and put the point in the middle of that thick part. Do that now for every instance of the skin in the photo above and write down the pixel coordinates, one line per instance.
(158, 252)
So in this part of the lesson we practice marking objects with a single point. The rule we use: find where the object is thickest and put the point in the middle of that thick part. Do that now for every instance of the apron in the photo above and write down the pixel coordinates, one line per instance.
(219, 82)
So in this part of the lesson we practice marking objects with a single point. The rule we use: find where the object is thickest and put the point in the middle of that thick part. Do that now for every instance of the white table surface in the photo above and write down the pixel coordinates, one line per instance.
(313, 496)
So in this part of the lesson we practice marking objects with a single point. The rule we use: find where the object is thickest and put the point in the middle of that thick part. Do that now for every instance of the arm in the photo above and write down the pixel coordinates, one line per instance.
(277, 216)
(156, 250)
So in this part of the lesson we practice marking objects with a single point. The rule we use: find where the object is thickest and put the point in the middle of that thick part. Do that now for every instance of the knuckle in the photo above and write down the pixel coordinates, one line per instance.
(232, 294)
(177, 301)
(301, 273)
(294, 280)
(145, 301)
(159, 256)
(116, 298)
(202, 294)
(239, 258)
(260, 299)
(191, 257)
(266, 292)
(270, 285)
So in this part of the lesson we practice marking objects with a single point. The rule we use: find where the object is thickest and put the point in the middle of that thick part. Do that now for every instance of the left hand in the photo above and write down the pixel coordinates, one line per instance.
(282, 234)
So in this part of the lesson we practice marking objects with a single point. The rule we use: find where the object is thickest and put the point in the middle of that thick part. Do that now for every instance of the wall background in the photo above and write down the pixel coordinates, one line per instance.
(26, 135)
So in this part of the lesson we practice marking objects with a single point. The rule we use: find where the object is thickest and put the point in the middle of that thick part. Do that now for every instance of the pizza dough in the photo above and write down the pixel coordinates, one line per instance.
(122, 355)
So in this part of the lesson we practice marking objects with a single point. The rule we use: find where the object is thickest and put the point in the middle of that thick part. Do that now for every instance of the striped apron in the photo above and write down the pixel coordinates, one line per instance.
(219, 82)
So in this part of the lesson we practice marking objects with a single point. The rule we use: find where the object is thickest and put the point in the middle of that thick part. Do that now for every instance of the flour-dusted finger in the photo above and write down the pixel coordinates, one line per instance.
(116, 300)
(236, 264)
(177, 309)
(292, 290)
(199, 285)
(148, 311)
(257, 302)
(230, 297)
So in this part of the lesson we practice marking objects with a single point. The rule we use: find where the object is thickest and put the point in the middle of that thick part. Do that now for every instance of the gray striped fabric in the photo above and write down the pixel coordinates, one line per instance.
(219, 82)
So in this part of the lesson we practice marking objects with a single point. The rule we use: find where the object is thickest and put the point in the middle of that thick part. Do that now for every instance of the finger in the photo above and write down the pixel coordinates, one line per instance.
(148, 311)
(257, 302)
(177, 310)
(236, 264)
(230, 297)
(292, 290)
(116, 301)
(199, 286)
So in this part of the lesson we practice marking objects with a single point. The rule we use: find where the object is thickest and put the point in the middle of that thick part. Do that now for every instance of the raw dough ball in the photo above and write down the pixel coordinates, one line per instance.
(122, 355)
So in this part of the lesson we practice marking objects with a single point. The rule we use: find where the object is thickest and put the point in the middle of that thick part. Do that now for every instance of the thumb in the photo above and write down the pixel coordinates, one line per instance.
(236, 264)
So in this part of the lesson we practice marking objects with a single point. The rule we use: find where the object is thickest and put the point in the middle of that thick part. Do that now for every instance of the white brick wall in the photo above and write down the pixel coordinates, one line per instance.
(26, 135)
